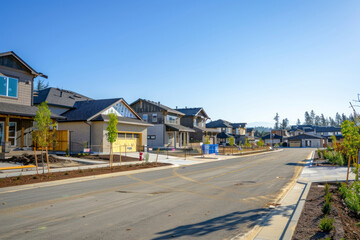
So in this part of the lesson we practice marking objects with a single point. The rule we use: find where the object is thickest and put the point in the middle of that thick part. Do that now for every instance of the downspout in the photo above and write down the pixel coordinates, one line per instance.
(87, 123)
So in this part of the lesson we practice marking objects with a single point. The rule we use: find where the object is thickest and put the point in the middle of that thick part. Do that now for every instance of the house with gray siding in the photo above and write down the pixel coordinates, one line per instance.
(227, 130)
(195, 118)
(167, 132)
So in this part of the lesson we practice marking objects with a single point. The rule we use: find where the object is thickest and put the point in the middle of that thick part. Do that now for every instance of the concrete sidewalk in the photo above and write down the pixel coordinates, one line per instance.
(282, 221)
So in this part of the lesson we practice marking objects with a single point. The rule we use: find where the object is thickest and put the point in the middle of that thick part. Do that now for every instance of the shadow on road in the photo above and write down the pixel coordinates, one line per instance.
(228, 222)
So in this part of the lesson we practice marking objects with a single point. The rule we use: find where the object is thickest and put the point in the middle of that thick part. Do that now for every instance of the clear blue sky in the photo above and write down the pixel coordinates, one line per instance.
(242, 61)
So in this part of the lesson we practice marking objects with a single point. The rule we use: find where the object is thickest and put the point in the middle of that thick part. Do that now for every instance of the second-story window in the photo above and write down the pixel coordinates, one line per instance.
(145, 117)
(171, 119)
(8, 86)
(154, 118)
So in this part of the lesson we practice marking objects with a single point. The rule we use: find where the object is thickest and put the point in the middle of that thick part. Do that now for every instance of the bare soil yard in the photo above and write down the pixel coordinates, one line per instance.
(345, 224)
(29, 179)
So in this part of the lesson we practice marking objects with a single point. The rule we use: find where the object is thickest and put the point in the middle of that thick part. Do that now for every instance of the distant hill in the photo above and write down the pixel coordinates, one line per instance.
(260, 124)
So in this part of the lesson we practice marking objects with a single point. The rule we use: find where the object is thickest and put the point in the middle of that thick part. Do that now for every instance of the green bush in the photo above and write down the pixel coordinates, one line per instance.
(328, 197)
(327, 188)
(351, 196)
(326, 208)
(340, 159)
(326, 224)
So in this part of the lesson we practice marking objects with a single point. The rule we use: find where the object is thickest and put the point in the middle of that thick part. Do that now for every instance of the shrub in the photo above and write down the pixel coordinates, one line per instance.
(326, 208)
(326, 188)
(351, 196)
(67, 153)
(18, 177)
(66, 173)
(339, 159)
(328, 197)
(35, 177)
(326, 224)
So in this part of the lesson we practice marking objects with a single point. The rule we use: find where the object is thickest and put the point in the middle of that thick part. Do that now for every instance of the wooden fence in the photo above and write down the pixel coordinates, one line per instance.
(62, 141)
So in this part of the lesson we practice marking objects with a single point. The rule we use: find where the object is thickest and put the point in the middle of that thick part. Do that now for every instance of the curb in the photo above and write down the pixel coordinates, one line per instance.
(290, 228)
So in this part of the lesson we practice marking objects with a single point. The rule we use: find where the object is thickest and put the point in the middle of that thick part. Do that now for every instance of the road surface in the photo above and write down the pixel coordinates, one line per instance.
(213, 200)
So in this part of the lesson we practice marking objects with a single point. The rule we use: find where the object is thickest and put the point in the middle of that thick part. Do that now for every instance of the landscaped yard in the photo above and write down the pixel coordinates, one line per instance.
(330, 216)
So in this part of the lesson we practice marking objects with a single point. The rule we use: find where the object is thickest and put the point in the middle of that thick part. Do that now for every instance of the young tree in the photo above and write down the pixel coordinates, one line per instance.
(112, 134)
(260, 143)
(351, 144)
(276, 118)
(44, 135)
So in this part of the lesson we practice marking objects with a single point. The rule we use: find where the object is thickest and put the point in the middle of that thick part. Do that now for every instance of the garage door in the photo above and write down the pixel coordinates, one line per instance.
(294, 143)
(127, 142)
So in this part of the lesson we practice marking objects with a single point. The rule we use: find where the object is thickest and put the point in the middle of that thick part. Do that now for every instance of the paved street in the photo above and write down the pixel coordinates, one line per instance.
(214, 200)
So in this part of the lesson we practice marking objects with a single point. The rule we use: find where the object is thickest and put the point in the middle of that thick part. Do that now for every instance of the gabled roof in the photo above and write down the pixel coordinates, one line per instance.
(273, 136)
(11, 53)
(89, 110)
(238, 125)
(125, 120)
(223, 135)
(192, 111)
(22, 110)
(58, 97)
(219, 124)
(304, 136)
(161, 106)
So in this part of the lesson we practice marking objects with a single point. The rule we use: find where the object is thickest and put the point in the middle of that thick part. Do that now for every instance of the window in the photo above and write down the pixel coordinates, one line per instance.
(171, 119)
(151, 137)
(145, 117)
(8, 86)
(154, 118)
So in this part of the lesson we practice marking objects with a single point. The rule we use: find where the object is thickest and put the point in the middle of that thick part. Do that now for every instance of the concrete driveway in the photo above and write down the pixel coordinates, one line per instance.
(214, 200)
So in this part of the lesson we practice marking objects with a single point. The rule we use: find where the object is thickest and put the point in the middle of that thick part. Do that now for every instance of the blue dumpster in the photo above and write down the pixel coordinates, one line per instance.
(210, 149)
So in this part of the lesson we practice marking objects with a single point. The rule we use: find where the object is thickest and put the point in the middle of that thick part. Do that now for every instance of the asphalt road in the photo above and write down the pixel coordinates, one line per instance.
(214, 200)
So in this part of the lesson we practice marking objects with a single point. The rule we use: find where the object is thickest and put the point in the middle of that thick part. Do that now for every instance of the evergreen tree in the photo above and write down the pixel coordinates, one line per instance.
(323, 120)
(284, 124)
(338, 119)
(298, 122)
(276, 118)
(41, 84)
(307, 118)
(312, 115)
(317, 121)
(332, 122)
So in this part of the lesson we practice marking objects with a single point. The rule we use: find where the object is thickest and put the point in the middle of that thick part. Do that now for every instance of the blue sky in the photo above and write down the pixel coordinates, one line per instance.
(242, 61)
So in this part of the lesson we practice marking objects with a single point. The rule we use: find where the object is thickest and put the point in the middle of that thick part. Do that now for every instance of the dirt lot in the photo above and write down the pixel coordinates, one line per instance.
(106, 158)
(29, 159)
(28, 179)
(345, 220)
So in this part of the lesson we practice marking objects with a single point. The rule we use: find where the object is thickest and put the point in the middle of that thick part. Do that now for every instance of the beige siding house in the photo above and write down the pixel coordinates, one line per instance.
(16, 106)
(87, 122)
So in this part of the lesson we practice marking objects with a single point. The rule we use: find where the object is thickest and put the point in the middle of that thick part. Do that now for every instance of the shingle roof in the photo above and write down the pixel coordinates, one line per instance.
(83, 110)
(223, 135)
(134, 121)
(249, 129)
(219, 124)
(178, 127)
(203, 129)
(192, 111)
(58, 97)
(22, 110)
(237, 125)
(273, 136)
(304, 136)
(14, 55)
(328, 129)
(161, 106)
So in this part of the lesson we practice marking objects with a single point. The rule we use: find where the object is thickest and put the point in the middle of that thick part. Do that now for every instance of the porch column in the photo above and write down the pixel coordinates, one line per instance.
(7, 120)
(187, 139)
(175, 139)
(180, 139)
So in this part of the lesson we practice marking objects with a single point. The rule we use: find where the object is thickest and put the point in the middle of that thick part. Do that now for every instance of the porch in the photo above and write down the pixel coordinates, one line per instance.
(177, 136)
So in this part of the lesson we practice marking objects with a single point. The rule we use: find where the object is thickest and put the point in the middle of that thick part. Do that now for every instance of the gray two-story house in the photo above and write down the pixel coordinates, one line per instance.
(227, 130)
(16, 102)
(195, 118)
(167, 132)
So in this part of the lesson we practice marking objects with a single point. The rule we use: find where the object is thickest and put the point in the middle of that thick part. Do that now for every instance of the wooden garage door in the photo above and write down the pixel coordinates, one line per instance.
(294, 143)
(127, 142)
